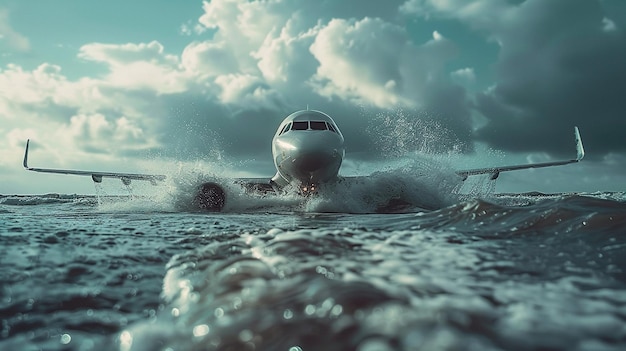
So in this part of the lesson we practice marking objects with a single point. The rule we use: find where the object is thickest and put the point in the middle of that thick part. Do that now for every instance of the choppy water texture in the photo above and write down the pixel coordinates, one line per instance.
(455, 273)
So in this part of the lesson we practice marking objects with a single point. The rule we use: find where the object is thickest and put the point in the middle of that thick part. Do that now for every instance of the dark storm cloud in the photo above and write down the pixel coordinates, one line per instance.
(196, 127)
(561, 64)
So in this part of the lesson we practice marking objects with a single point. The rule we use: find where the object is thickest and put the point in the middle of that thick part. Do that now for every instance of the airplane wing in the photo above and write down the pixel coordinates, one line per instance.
(95, 175)
(495, 171)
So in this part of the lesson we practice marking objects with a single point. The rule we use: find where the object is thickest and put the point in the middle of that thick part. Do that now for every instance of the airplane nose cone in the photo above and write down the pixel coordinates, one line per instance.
(315, 167)
(313, 162)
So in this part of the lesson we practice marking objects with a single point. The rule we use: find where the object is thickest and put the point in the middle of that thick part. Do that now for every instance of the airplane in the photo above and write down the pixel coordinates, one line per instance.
(307, 149)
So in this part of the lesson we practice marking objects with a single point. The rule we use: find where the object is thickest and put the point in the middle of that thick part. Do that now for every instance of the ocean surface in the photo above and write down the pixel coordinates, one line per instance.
(337, 271)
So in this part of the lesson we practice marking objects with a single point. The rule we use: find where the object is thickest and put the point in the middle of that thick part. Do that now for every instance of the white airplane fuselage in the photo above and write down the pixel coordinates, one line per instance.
(307, 149)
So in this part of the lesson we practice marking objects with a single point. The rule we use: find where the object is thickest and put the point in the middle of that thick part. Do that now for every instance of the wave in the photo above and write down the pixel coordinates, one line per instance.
(504, 216)
(46, 199)
(398, 288)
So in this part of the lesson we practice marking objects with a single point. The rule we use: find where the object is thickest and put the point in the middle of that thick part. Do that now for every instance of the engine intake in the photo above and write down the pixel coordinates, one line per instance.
(210, 197)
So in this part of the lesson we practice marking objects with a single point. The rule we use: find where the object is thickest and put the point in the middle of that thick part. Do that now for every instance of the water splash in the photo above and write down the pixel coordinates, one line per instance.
(398, 132)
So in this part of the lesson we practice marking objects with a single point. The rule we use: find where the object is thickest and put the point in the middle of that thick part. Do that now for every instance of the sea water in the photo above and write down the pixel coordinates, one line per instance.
(328, 272)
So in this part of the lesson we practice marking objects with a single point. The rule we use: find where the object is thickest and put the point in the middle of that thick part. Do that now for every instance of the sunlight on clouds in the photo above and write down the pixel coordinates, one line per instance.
(358, 59)
(464, 76)
(246, 91)
(248, 21)
(286, 57)
(29, 87)
(97, 129)
(209, 59)
(120, 54)
(353, 68)
(148, 76)
(138, 66)
(236, 86)
(188, 28)
(241, 24)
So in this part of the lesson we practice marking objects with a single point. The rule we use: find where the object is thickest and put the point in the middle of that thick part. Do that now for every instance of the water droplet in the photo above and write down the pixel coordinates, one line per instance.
(288, 314)
(336, 311)
(309, 309)
(66, 339)
(295, 348)
(175, 312)
(200, 330)
(219, 312)
(126, 341)
(245, 335)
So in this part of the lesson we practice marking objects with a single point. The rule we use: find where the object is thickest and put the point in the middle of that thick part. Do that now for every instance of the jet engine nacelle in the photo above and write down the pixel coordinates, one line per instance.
(210, 197)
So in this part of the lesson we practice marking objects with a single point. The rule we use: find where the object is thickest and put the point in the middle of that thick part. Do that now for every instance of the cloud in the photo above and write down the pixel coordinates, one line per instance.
(477, 13)
(372, 62)
(91, 129)
(138, 66)
(608, 25)
(229, 93)
(188, 28)
(464, 75)
(9, 38)
(563, 70)
(361, 61)
(560, 64)
(209, 59)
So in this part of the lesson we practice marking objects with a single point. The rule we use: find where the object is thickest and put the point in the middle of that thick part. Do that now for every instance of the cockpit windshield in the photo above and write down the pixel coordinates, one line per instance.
(318, 125)
(308, 125)
(300, 125)
(285, 128)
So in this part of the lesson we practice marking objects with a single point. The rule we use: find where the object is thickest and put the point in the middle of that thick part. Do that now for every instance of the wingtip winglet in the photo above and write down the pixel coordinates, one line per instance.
(26, 154)
(580, 150)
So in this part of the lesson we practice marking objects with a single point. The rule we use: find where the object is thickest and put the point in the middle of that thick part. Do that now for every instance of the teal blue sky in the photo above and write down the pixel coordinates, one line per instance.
(57, 29)
(147, 85)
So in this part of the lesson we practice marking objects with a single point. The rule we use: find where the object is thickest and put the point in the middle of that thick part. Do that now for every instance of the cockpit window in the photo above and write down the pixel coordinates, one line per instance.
(318, 125)
(331, 127)
(302, 125)
(309, 125)
(285, 129)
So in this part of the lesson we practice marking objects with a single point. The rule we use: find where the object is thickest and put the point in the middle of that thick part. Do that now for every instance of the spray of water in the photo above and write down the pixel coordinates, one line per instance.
(418, 176)
(419, 135)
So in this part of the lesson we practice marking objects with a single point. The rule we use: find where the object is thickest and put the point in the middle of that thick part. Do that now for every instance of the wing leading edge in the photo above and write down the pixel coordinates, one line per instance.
(95, 175)
(495, 171)
(126, 178)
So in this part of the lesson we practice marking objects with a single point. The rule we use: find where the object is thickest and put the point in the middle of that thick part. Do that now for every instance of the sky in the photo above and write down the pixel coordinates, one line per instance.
(155, 86)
